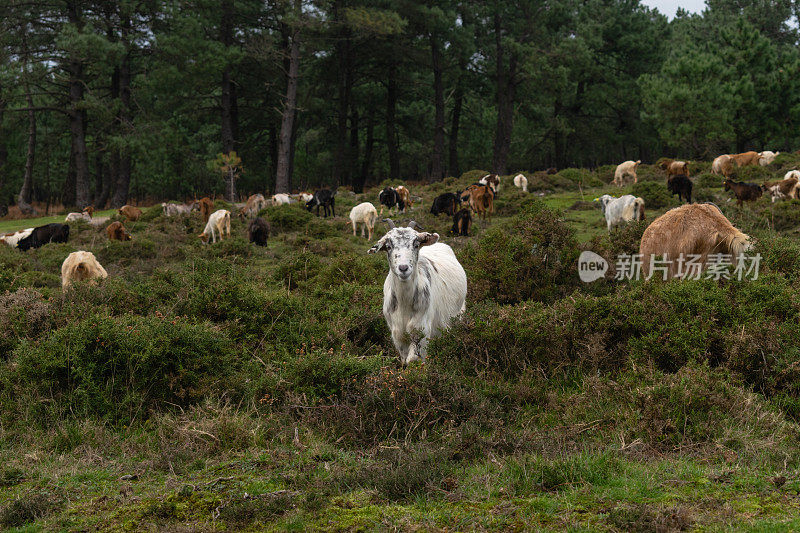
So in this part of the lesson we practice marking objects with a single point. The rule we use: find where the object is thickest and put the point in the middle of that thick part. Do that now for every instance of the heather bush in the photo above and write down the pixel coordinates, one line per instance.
(655, 194)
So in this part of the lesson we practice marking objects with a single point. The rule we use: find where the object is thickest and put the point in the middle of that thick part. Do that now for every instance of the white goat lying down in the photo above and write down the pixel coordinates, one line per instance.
(425, 288)
(620, 210)
(12, 239)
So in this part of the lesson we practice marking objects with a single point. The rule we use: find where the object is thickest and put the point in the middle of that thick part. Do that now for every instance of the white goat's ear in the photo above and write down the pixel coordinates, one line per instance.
(426, 239)
(378, 246)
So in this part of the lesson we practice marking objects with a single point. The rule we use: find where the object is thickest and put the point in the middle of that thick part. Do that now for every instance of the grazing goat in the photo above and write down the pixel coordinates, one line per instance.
(425, 288)
(446, 203)
(254, 204)
(785, 188)
(690, 230)
(12, 239)
(792, 174)
(682, 186)
(621, 210)
(116, 232)
(674, 168)
(303, 196)
(492, 180)
(258, 231)
(366, 215)
(79, 266)
(219, 223)
(767, 157)
(462, 221)
(130, 212)
(389, 197)
(281, 199)
(86, 215)
(745, 192)
(521, 182)
(405, 196)
(626, 169)
(480, 198)
(324, 198)
(206, 207)
(746, 158)
(45, 234)
(722, 165)
(171, 210)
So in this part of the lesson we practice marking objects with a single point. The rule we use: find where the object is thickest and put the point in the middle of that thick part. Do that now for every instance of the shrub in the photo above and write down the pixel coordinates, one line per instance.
(286, 218)
(580, 176)
(531, 257)
(23, 314)
(625, 238)
(118, 368)
(605, 173)
(707, 180)
(655, 194)
(29, 508)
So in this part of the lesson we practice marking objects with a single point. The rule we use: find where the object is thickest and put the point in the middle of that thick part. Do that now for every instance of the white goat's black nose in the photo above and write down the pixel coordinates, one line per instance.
(403, 268)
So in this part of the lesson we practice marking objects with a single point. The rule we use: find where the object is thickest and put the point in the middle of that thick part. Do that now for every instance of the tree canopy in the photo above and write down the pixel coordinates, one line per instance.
(101, 101)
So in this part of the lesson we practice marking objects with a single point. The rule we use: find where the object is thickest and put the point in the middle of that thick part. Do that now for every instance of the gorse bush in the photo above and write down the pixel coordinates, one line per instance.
(119, 368)
(531, 257)
(284, 218)
(655, 194)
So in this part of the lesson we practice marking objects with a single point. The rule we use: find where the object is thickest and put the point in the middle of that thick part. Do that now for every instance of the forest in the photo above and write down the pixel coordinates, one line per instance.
(105, 101)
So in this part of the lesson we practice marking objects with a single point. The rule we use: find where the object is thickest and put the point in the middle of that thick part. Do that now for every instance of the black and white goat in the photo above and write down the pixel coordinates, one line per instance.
(426, 287)
(324, 198)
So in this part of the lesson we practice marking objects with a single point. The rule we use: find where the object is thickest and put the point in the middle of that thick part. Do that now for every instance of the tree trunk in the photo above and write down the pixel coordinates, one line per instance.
(122, 188)
(68, 189)
(366, 166)
(293, 146)
(391, 133)
(342, 159)
(455, 124)
(25, 194)
(353, 151)
(287, 124)
(77, 117)
(437, 161)
(506, 87)
(104, 175)
(228, 101)
(273, 151)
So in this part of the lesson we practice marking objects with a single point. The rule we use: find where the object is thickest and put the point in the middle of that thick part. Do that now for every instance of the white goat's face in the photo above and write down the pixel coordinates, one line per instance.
(402, 249)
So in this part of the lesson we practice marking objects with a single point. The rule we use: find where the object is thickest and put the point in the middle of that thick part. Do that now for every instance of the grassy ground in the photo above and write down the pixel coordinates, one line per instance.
(612, 407)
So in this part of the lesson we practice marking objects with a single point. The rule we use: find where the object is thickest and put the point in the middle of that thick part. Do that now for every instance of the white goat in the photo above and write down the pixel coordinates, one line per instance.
(621, 210)
(12, 239)
(218, 223)
(179, 209)
(365, 214)
(628, 168)
(74, 217)
(281, 199)
(766, 157)
(79, 266)
(521, 182)
(425, 288)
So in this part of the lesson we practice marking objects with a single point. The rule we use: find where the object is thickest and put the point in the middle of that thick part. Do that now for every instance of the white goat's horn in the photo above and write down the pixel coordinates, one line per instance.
(390, 223)
(413, 225)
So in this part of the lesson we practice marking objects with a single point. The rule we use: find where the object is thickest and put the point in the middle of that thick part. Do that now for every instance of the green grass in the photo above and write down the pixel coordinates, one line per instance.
(8, 226)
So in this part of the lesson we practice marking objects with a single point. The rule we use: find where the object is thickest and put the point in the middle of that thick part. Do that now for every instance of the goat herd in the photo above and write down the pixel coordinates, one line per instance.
(426, 285)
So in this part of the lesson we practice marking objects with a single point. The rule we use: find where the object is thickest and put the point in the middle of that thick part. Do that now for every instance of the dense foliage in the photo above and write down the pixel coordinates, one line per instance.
(99, 100)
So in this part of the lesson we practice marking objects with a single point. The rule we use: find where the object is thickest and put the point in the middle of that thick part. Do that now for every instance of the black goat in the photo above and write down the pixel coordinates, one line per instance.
(390, 198)
(258, 231)
(44, 234)
(324, 198)
(681, 185)
(446, 203)
(462, 221)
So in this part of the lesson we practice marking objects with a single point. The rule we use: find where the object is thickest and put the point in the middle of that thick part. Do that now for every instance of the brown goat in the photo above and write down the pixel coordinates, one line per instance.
(674, 168)
(480, 199)
(690, 230)
(206, 207)
(404, 195)
(745, 192)
(116, 232)
(746, 158)
(130, 212)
